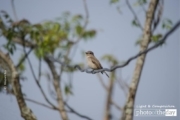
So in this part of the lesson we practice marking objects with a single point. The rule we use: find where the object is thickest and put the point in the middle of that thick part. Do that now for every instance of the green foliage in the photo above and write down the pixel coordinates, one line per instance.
(114, 1)
(89, 34)
(167, 24)
(6, 16)
(140, 2)
(77, 19)
(68, 90)
(135, 23)
(156, 38)
(10, 47)
(49, 36)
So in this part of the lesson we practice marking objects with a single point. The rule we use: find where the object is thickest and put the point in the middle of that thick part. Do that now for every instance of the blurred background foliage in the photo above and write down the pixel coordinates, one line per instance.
(57, 37)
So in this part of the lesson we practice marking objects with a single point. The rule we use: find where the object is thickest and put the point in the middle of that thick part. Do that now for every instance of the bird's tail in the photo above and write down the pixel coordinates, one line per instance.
(106, 74)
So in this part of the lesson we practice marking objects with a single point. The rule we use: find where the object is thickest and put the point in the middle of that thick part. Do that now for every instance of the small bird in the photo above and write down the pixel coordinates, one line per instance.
(93, 62)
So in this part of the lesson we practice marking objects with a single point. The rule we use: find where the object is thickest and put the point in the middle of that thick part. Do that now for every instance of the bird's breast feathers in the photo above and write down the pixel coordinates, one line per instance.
(91, 64)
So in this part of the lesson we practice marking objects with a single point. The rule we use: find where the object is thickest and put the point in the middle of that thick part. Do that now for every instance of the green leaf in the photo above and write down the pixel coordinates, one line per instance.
(140, 2)
(89, 34)
(10, 47)
(167, 24)
(39, 52)
(79, 30)
(134, 22)
(156, 38)
(22, 67)
(68, 90)
(113, 1)
(77, 18)
(56, 27)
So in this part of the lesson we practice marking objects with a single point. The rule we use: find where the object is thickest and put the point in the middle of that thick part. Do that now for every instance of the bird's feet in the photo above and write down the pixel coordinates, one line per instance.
(92, 71)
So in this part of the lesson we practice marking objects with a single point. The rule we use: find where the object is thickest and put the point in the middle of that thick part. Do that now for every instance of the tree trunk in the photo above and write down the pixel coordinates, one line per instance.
(6, 62)
(57, 88)
(129, 106)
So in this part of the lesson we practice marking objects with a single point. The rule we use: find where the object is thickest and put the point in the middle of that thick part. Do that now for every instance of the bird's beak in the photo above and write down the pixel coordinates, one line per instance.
(86, 52)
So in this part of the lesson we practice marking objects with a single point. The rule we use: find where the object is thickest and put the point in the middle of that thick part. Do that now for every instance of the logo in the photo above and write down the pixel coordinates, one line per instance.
(5, 79)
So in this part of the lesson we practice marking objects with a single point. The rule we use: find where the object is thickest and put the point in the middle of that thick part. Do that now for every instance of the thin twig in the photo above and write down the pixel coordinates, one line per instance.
(85, 23)
(106, 88)
(102, 82)
(159, 15)
(36, 80)
(121, 83)
(75, 112)
(116, 105)
(39, 103)
(86, 11)
(133, 12)
(39, 75)
(14, 10)
(25, 56)
(123, 86)
(39, 86)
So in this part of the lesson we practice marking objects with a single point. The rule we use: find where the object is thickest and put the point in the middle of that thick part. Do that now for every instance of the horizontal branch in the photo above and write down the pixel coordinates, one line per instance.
(160, 42)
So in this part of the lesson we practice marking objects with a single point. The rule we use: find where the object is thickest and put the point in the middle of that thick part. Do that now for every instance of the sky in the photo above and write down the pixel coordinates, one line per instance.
(159, 84)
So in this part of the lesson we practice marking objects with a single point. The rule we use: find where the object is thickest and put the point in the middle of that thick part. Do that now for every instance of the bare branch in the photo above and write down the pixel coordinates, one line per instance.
(159, 14)
(39, 75)
(106, 88)
(39, 85)
(25, 56)
(86, 11)
(123, 85)
(75, 112)
(14, 10)
(35, 78)
(116, 105)
(135, 16)
(102, 82)
(25, 42)
(39, 103)
(85, 23)
(107, 115)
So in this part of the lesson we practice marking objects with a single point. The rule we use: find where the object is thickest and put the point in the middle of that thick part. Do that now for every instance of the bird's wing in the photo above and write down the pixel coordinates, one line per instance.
(96, 62)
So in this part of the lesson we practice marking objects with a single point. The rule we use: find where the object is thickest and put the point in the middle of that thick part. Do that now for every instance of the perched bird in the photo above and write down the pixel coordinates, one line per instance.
(93, 62)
